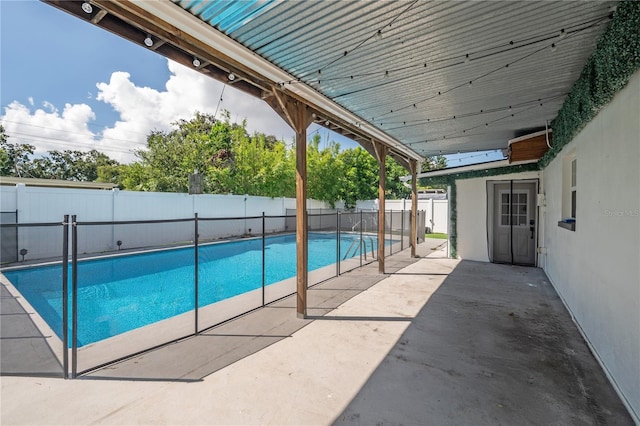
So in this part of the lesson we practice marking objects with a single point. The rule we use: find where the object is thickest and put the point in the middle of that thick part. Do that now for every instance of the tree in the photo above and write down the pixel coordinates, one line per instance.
(324, 172)
(360, 176)
(395, 188)
(14, 158)
(434, 163)
(70, 165)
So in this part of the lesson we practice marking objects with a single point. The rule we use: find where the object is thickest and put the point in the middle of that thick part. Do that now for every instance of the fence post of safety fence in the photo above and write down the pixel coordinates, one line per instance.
(361, 226)
(263, 255)
(195, 271)
(65, 296)
(337, 243)
(74, 297)
(402, 230)
(390, 232)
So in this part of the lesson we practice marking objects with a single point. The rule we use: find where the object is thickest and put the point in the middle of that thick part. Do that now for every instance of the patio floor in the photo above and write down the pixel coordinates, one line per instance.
(437, 341)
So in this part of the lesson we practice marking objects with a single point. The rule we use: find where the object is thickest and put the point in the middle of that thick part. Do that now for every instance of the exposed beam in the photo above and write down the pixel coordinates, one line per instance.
(157, 44)
(98, 16)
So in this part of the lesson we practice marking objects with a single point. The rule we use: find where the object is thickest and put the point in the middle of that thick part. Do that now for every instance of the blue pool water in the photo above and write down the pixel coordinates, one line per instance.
(121, 293)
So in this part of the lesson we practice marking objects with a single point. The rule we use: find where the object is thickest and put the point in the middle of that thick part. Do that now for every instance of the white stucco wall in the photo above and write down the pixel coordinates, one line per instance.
(596, 269)
(471, 207)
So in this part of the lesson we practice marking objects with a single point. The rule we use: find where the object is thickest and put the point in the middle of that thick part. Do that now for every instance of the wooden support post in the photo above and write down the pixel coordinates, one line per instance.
(413, 166)
(381, 153)
(299, 117)
(302, 254)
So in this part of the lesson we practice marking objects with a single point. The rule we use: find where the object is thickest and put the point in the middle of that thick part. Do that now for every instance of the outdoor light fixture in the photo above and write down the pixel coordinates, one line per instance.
(553, 47)
(470, 83)
(231, 76)
(379, 35)
(119, 243)
(466, 58)
(148, 41)
(23, 253)
(196, 62)
(563, 34)
(86, 6)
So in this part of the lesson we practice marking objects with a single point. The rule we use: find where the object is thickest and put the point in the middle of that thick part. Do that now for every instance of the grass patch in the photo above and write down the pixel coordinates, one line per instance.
(436, 235)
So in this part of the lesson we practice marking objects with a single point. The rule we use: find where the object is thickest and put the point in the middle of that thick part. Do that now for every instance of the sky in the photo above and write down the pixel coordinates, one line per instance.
(66, 84)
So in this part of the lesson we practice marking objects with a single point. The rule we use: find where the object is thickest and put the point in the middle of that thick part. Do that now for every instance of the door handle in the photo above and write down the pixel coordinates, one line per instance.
(532, 227)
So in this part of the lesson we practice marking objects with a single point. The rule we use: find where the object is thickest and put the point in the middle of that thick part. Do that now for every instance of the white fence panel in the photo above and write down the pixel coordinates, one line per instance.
(437, 211)
(40, 204)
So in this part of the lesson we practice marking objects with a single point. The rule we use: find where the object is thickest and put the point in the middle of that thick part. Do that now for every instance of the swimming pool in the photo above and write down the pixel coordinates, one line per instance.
(120, 293)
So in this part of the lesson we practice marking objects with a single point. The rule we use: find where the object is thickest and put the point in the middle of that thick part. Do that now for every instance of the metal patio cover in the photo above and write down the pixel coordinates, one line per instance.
(439, 77)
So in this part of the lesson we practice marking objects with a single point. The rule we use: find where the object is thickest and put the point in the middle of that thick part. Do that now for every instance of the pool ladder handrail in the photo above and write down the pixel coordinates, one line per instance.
(362, 242)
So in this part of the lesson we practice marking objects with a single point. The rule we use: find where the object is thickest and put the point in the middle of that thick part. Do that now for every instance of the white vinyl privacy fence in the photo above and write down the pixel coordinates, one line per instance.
(47, 206)
(35, 205)
(436, 211)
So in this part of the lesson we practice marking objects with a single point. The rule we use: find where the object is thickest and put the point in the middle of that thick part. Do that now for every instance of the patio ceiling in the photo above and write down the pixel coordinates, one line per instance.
(422, 77)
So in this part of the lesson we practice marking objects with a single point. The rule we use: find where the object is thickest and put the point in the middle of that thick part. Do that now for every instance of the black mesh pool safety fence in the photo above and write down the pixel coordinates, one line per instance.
(110, 290)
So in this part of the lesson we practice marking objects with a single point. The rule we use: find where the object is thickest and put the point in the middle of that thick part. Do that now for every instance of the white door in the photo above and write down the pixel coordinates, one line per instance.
(514, 223)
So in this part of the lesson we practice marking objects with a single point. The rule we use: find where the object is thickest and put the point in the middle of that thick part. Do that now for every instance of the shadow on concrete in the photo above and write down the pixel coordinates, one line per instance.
(493, 345)
(24, 350)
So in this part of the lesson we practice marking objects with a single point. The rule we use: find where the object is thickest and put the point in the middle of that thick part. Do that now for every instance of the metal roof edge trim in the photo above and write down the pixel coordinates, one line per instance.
(187, 22)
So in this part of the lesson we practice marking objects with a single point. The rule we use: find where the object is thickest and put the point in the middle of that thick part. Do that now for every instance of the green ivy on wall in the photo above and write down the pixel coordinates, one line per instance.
(614, 60)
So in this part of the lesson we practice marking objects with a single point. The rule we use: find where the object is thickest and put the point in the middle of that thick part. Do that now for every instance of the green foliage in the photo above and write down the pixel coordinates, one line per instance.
(70, 165)
(324, 172)
(433, 163)
(436, 235)
(615, 58)
(360, 176)
(14, 158)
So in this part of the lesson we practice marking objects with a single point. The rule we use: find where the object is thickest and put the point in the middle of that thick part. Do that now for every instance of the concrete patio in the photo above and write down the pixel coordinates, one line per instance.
(436, 341)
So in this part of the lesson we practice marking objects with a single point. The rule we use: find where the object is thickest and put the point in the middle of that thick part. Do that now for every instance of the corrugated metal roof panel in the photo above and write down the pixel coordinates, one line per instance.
(333, 46)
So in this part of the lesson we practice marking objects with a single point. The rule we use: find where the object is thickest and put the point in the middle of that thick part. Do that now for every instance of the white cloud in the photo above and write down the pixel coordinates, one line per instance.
(49, 130)
(140, 110)
(31, 100)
